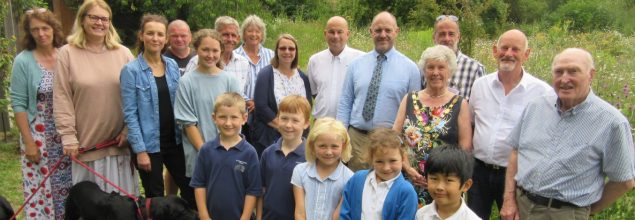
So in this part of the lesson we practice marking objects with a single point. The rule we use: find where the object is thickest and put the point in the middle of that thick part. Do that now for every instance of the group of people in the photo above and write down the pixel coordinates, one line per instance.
(232, 123)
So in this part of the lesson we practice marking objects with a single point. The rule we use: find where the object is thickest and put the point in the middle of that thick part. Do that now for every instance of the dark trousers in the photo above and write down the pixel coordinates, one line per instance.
(174, 160)
(489, 184)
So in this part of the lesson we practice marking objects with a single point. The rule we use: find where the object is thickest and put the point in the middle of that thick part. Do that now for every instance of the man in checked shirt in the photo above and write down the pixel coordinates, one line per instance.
(446, 32)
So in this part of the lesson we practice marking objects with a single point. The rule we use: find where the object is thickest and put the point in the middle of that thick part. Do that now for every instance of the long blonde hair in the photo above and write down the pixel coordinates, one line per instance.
(78, 35)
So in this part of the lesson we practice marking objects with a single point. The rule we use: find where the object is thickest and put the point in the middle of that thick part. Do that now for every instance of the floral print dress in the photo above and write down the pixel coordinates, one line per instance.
(428, 127)
(48, 203)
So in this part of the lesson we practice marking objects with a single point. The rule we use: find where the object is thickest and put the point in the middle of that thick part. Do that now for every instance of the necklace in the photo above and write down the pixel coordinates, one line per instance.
(436, 96)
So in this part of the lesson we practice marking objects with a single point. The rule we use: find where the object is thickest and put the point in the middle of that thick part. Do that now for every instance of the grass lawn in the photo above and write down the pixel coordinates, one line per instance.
(614, 81)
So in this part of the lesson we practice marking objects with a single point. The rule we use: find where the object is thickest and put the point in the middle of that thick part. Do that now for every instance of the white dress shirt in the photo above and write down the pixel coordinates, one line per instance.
(373, 196)
(429, 212)
(326, 74)
(495, 114)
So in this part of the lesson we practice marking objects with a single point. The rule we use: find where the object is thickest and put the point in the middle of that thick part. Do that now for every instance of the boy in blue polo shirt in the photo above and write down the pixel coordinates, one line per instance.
(226, 177)
(279, 159)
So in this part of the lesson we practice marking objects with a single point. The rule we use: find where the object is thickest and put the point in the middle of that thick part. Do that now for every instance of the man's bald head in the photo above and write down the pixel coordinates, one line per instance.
(336, 34)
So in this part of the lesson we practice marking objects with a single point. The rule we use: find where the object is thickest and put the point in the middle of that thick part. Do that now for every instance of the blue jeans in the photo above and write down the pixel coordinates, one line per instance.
(488, 187)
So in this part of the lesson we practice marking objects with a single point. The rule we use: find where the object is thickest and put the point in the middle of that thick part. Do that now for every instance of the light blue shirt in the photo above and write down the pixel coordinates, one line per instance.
(195, 104)
(321, 196)
(265, 55)
(567, 155)
(140, 101)
(399, 76)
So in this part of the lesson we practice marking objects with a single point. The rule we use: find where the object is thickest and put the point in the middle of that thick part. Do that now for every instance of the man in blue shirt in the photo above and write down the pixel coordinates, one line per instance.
(565, 146)
(374, 86)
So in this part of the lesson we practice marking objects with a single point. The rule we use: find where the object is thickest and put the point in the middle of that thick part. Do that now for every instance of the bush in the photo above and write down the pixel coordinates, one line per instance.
(585, 15)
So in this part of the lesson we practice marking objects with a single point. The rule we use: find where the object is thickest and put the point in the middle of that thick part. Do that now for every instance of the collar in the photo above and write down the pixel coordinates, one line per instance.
(388, 53)
(299, 151)
(387, 183)
(434, 213)
(240, 146)
(342, 54)
(579, 107)
(524, 79)
(335, 175)
(144, 65)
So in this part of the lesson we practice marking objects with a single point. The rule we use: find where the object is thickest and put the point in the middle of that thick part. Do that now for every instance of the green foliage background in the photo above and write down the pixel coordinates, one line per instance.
(605, 28)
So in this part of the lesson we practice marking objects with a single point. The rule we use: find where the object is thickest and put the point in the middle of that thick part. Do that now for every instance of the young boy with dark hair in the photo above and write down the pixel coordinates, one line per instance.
(449, 176)
(226, 177)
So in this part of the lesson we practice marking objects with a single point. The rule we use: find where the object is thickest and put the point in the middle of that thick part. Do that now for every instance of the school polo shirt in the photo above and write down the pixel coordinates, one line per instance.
(228, 176)
(276, 170)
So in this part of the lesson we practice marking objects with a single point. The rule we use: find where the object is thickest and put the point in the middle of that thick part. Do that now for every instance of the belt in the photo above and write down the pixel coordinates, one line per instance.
(544, 201)
(359, 130)
(490, 166)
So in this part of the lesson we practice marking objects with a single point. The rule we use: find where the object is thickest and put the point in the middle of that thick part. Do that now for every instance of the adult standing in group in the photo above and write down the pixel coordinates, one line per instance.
(447, 32)
(179, 38)
(498, 101)
(234, 64)
(253, 32)
(87, 100)
(432, 117)
(327, 68)
(32, 101)
(572, 152)
(374, 85)
(280, 79)
(148, 87)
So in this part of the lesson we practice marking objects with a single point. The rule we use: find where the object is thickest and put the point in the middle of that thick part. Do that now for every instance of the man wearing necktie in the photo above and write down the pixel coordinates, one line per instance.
(374, 86)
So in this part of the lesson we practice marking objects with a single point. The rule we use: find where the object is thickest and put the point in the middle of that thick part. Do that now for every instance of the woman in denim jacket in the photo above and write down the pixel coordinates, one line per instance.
(148, 87)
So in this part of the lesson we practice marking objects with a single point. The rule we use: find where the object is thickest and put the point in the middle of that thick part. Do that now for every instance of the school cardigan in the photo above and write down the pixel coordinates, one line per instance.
(25, 81)
(400, 203)
(266, 107)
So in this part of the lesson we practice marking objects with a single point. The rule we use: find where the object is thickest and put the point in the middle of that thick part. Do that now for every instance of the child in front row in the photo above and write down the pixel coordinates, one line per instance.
(381, 192)
(279, 159)
(318, 183)
(449, 172)
(226, 177)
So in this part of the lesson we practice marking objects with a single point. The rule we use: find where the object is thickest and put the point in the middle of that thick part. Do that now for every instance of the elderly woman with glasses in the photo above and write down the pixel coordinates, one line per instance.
(32, 101)
(276, 81)
(434, 116)
(87, 101)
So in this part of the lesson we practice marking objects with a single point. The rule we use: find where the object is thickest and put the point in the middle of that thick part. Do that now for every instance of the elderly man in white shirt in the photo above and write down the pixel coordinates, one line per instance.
(497, 102)
(327, 68)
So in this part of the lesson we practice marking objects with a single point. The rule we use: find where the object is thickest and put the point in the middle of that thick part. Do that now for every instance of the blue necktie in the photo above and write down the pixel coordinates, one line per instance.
(371, 97)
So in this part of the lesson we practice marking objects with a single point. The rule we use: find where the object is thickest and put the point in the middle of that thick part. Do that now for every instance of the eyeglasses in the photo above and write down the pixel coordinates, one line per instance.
(95, 18)
(450, 17)
(290, 49)
(37, 10)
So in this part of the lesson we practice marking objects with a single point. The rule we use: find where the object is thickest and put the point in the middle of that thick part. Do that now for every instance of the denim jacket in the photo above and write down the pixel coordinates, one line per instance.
(141, 103)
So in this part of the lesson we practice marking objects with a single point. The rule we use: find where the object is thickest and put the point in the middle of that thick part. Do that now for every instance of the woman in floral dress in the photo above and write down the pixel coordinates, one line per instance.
(433, 117)
(32, 102)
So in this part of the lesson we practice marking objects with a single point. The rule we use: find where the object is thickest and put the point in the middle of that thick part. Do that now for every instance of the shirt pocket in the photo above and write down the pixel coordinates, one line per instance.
(143, 92)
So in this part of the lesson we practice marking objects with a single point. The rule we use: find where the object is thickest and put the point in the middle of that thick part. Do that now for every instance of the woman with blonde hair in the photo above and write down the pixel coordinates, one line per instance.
(32, 102)
(87, 101)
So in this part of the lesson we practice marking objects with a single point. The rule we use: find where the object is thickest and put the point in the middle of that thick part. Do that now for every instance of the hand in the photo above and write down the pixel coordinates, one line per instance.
(122, 138)
(31, 152)
(143, 162)
(251, 106)
(71, 150)
(509, 211)
(417, 179)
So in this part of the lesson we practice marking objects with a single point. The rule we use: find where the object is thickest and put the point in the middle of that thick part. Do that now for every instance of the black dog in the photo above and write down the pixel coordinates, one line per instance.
(87, 201)
(5, 209)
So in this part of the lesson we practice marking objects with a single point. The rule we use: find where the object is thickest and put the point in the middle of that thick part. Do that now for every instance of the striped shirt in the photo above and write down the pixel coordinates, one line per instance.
(467, 71)
(321, 196)
(265, 55)
(567, 155)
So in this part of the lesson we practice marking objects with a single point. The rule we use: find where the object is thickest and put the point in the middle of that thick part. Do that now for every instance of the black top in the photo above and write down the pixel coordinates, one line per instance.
(181, 62)
(166, 113)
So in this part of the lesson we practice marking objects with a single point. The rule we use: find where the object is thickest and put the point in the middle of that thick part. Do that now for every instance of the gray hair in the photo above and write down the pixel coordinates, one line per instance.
(223, 21)
(585, 54)
(438, 53)
(255, 21)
